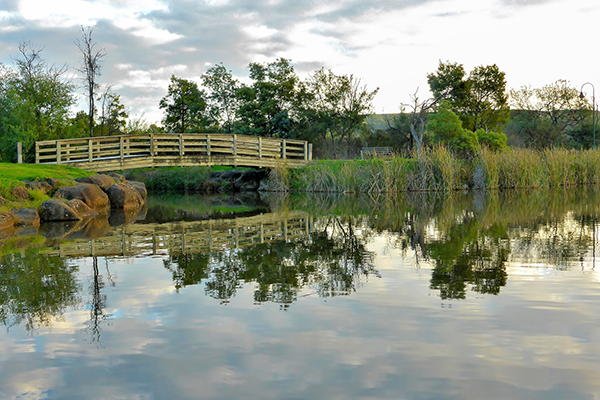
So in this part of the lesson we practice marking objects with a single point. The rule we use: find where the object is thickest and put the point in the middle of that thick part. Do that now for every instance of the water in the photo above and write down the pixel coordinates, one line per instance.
(467, 296)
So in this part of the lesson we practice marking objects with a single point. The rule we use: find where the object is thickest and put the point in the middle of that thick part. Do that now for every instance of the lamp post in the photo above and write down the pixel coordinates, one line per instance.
(581, 96)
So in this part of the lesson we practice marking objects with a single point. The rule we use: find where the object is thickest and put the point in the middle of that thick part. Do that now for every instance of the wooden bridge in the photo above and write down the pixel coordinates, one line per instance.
(110, 153)
(190, 237)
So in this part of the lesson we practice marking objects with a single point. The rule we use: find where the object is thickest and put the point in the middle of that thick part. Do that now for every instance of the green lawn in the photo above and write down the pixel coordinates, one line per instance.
(11, 175)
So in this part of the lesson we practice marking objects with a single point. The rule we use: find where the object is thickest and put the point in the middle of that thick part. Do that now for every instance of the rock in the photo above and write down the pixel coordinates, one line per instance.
(251, 186)
(7, 220)
(57, 183)
(42, 186)
(20, 193)
(231, 175)
(81, 208)
(117, 177)
(141, 188)
(57, 210)
(26, 216)
(101, 180)
(124, 196)
(89, 193)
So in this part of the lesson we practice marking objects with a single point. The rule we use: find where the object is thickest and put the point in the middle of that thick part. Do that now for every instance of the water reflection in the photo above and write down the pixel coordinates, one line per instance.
(36, 289)
(322, 248)
(331, 260)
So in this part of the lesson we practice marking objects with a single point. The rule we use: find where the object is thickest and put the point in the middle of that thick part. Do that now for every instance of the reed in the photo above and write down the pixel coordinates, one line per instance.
(439, 169)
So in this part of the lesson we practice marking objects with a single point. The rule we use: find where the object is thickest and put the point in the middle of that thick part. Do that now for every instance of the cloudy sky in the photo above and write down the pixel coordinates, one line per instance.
(390, 44)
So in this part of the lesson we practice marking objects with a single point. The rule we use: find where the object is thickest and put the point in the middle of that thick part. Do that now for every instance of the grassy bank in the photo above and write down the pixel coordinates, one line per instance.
(12, 175)
(440, 170)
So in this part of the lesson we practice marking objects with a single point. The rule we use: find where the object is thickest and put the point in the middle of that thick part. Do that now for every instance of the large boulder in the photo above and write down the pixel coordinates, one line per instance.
(124, 196)
(57, 210)
(7, 220)
(42, 186)
(101, 180)
(89, 193)
(26, 216)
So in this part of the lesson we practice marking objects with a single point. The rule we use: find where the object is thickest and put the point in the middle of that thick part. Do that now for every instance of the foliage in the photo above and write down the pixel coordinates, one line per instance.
(34, 105)
(113, 118)
(549, 116)
(336, 106)
(184, 107)
(480, 100)
(192, 179)
(221, 98)
(266, 107)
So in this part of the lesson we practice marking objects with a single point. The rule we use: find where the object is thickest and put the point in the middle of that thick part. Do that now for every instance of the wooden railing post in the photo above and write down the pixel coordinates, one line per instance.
(234, 152)
(58, 152)
(122, 147)
(152, 146)
(180, 145)
(20, 153)
(208, 146)
(37, 153)
(310, 152)
(283, 150)
(305, 151)
(90, 150)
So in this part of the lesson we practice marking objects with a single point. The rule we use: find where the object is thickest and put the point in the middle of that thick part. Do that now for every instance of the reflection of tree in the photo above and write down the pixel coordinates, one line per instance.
(97, 304)
(35, 288)
(466, 255)
(331, 261)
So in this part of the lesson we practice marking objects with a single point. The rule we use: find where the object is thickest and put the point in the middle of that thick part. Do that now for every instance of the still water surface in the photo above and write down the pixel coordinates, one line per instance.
(471, 296)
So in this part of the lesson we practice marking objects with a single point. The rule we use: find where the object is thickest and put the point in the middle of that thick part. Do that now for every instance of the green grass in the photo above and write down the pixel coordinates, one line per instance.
(12, 175)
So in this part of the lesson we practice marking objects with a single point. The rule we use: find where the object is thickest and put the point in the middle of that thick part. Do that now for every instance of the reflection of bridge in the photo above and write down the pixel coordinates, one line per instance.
(190, 237)
(111, 153)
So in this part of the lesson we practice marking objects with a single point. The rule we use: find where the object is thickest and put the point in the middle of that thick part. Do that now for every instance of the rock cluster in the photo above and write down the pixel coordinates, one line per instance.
(89, 197)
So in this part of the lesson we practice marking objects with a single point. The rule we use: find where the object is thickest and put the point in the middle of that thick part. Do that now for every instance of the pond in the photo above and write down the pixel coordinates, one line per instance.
(416, 296)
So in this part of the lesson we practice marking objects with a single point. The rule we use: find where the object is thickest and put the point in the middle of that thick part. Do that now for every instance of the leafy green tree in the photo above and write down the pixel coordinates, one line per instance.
(222, 100)
(113, 118)
(184, 106)
(337, 106)
(267, 106)
(480, 99)
(35, 104)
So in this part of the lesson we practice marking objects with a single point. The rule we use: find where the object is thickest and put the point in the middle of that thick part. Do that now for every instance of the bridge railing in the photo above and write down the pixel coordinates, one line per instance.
(133, 151)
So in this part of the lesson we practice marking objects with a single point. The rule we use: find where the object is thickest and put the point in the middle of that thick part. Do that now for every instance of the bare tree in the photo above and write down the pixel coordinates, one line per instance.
(90, 68)
(418, 118)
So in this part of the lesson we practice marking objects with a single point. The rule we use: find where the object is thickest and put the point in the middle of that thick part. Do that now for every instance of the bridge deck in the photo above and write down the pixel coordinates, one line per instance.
(110, 153)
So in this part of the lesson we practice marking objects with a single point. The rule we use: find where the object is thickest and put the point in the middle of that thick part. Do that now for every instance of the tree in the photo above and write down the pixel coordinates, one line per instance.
(267, 106)
(418, 119)
(90, 68)
(337, 105)
(222, 100)
(548, 116)
(35, 103)
(480, 100)
(184, 106)
(113, 119)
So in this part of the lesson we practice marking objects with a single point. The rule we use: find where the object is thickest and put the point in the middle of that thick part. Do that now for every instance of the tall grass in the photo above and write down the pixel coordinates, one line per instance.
(438, 169)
